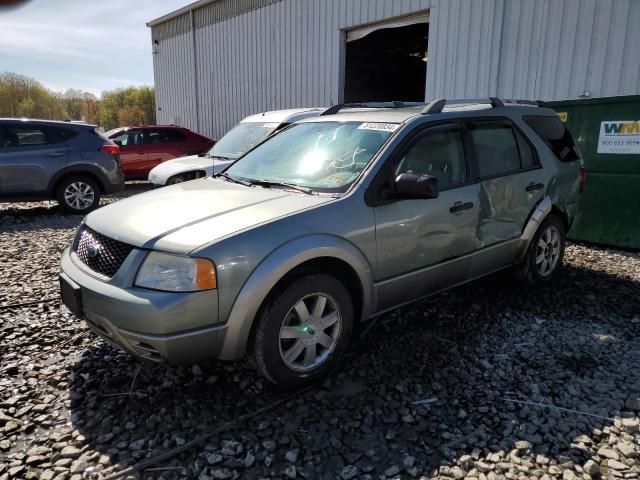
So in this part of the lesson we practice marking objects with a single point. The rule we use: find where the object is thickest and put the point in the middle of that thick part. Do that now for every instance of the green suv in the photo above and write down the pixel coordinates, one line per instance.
(334, 220)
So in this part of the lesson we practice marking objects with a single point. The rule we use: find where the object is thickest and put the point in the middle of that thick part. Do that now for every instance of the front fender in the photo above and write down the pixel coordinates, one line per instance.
(273, 268)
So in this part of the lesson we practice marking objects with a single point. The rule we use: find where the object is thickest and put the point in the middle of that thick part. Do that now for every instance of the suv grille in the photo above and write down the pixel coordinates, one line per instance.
(100, 253)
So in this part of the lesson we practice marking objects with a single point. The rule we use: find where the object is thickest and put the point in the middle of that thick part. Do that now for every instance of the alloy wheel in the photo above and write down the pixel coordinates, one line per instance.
(79, 195)
(310, 332)
(548, 251)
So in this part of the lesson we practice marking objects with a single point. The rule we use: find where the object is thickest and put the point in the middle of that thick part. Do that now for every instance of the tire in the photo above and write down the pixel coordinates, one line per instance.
(284, 343)
(176, 179)
(546, 252)
(78, 194)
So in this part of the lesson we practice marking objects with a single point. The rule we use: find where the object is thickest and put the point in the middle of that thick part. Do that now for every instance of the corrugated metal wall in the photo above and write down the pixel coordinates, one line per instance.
(558, 49)
(175, 89)
(289, 54)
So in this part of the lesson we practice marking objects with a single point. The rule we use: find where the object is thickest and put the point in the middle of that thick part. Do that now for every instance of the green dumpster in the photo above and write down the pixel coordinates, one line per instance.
(607, 131)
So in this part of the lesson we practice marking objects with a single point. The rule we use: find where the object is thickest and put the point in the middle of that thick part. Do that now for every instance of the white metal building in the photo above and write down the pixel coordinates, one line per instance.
(216, 61)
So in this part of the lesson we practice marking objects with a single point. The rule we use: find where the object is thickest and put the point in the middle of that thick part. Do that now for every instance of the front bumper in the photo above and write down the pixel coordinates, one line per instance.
(181, 328)
(157, 180)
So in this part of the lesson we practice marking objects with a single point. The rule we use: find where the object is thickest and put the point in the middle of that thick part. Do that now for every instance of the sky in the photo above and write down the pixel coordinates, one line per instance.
(91, 45)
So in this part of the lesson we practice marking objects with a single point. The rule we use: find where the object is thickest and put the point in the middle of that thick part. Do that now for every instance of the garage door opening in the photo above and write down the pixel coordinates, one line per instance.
(388, 63)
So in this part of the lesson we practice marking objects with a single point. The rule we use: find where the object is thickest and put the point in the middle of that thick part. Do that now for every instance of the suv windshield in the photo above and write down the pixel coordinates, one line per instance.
(323, 156)
(242, 138)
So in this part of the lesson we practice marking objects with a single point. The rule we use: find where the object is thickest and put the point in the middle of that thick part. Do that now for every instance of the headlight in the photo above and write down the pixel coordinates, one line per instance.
(176, 273)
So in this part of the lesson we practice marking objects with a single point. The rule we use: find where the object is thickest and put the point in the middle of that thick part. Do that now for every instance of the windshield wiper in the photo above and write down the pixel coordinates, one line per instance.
(234, 180)
(292, 186)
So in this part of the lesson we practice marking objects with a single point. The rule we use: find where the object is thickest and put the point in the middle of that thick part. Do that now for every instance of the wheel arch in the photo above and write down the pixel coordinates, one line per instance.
(539, 213)
(314, 253)
(188, 174)
(91, 172)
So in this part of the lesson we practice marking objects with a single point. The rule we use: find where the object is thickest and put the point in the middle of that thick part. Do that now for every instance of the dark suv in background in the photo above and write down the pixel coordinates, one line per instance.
(144, 147)
(70, 162)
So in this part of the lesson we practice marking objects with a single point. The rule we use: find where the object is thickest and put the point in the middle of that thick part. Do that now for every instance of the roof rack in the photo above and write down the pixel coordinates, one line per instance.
(393, 104)
(537, 103)
(435, 106)
(438, 105)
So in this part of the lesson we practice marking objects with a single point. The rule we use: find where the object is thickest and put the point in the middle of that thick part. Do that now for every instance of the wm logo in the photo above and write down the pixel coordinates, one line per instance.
(621, 128)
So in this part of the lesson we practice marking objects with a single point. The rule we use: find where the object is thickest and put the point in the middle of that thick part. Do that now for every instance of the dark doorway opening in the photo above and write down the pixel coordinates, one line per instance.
(388, 64)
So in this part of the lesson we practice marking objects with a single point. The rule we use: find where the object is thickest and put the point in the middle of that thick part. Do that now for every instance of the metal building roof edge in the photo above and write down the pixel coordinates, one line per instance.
(180, 11)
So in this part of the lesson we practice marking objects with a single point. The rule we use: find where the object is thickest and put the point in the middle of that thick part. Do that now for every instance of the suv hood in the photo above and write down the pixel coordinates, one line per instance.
(192, 161)
(188, 160)
(185, 216)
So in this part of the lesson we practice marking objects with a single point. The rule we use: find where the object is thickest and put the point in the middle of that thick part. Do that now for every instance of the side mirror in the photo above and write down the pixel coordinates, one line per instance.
(118, 142)
(410, 185)
(201, 154)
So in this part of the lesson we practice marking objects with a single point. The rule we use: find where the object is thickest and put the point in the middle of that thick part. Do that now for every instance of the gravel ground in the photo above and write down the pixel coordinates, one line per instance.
(488, 381)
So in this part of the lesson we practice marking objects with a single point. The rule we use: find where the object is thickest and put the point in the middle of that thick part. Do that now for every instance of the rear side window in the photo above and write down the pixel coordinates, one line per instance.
(61, 134)
(556, 135)
(173, 135)
(528, 157)
(496, 148)
(165, 135)
(154, 136)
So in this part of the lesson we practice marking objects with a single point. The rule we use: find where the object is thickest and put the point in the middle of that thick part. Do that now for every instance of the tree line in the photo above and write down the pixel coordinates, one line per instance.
(22, 96)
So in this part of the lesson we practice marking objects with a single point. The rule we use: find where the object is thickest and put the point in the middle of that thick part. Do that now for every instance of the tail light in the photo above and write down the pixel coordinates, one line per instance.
(110, 149)
(583, 179)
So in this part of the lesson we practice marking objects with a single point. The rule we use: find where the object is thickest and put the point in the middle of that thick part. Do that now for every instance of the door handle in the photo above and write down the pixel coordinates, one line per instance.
(141, 152)
(56, 154)
(461, 206)
(533, 186)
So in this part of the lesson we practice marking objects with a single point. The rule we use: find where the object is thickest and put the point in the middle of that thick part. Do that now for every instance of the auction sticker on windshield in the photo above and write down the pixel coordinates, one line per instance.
(383, 127)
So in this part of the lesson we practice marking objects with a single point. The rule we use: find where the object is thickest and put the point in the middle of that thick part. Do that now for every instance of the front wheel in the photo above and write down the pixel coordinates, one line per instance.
(176, 179)
(78, 194)
(303, 332)
(546, 252)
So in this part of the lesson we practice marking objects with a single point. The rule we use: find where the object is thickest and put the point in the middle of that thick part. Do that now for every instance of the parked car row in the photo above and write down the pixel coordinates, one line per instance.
(72, 163)
(331, 221)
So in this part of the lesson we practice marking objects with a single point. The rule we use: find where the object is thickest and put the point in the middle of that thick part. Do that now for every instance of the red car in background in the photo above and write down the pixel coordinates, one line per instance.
(144, 147)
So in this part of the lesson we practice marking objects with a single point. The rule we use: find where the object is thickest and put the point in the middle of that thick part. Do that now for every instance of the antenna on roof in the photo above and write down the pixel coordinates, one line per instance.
(434, 107)
(270, 104)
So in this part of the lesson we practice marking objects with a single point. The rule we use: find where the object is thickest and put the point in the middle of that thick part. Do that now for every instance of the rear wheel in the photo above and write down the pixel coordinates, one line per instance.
(546, 252)
(78, 194)
(303, 332)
